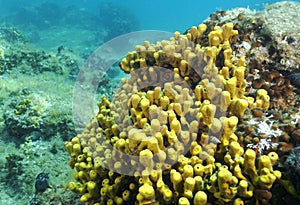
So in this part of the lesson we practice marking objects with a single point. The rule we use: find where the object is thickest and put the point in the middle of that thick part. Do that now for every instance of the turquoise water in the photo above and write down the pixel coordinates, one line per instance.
(49, 24)
(167, 15)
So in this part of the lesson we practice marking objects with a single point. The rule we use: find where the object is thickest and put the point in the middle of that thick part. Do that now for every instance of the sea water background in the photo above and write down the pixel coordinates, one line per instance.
(163, 15)
(166, 15)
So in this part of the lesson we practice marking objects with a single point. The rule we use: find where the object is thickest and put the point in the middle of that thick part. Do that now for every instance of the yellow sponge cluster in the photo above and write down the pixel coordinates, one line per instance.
(158, 141)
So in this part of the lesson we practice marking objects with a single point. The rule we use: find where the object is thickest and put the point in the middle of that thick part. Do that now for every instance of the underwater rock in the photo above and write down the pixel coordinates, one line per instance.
(292, 165)
(37, 116)
(295, 79)
(35, 135)
(41, 182)
(270, 41)
(11, 35)
(24, 114)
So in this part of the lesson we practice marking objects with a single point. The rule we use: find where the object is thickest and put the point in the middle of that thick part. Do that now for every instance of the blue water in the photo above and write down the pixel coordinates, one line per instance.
(167, 15)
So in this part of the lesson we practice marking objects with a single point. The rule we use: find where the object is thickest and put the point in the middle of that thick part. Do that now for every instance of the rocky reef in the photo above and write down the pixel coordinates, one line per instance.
(36, 89)
(208, 116)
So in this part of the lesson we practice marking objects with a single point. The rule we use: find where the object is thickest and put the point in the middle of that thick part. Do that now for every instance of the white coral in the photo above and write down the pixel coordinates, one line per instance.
(266, 143)
(265, 128)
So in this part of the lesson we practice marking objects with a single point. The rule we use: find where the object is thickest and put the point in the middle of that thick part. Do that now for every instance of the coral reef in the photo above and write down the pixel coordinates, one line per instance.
(19, 55)
(210, 116)
(30, 104)
(169, 135)
(36, 119)
(25, 115)
(268, 39)
(31, 115)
